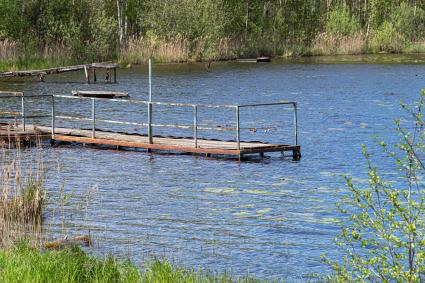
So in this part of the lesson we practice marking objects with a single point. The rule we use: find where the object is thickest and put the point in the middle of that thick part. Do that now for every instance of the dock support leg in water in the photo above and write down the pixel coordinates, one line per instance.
(240, 157)
(262, 154)
(296, 155)
(52, 142)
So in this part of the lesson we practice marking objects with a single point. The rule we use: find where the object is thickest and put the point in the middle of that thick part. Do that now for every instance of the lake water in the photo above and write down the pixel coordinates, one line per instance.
(272, 218)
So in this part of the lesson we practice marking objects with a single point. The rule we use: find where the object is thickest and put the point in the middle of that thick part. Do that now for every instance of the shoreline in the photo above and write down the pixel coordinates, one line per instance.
(366, 58)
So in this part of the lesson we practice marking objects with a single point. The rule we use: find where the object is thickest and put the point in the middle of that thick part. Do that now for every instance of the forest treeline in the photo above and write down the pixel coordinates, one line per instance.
(131, 31)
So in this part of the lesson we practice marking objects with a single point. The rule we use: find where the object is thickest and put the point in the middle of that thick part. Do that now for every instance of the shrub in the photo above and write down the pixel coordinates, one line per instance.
(342, 23)
(409, 21)
(383, 239)
(387, 39)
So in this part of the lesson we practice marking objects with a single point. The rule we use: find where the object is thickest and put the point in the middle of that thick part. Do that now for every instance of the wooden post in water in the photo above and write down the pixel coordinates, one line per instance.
(86, 72)
(23, 112)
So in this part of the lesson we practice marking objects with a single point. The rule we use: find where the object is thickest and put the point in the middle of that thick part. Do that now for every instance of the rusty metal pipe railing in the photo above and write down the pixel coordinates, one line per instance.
(195, 127)
(23, 113)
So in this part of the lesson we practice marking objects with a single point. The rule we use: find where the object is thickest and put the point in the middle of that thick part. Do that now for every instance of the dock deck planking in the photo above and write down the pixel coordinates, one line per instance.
(175, 144)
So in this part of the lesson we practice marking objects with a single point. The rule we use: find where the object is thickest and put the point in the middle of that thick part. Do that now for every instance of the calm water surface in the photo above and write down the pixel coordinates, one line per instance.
(272, 218)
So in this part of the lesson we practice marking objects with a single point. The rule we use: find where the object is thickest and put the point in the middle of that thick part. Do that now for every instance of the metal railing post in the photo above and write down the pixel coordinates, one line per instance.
(150, 104)
(93, 116)
(238, 128)
(296, 123)
(195, 125)
(150, 80)
(23, 112)
(150, 122)
(53, 117)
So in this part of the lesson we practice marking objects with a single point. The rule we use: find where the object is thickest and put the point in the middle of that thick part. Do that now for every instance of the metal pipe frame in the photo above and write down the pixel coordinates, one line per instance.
(195, 125)
(93, 117)
(150, 125)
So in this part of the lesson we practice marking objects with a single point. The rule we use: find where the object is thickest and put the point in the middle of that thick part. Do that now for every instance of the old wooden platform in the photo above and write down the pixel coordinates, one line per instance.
(175, 144)
(50, 126)
(11, 133)
(90, 71)
(207, 147)
(100, 94)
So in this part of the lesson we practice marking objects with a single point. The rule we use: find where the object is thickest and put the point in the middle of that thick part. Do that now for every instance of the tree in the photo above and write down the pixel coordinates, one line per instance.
(384, 236)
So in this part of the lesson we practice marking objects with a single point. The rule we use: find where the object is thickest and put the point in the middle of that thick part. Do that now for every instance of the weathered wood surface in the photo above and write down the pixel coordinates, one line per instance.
(263, 59)
(176, 144)
(166, 143)
(12, 133)
(11, 93)
(100, 94)
(84, 240)
(254, 60)
(57, 70)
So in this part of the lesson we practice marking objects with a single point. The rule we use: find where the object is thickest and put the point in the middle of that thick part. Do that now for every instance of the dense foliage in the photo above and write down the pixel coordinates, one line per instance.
(383, 237)
(206, 29)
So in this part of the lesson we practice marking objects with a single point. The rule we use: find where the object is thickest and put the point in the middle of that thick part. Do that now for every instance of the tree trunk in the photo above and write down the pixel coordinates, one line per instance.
(120, 25)
(246, 19)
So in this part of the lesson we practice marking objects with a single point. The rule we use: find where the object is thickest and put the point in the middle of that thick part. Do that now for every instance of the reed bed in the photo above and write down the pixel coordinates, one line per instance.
(8, 49)
(22, 196)
(178, 49)
(25, 256)
(333, 44)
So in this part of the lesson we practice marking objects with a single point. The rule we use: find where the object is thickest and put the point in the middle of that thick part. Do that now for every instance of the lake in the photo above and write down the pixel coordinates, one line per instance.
(272, 218)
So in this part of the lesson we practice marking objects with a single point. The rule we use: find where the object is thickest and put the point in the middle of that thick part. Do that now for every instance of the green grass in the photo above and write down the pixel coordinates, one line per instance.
(32, 63)
(24, 264)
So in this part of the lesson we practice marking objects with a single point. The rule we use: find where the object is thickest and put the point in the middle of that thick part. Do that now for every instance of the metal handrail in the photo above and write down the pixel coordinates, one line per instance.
(22, 114)
(195, 108)
(149, 125)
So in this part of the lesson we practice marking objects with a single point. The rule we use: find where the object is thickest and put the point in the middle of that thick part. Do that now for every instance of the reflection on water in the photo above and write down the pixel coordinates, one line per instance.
(272, 218)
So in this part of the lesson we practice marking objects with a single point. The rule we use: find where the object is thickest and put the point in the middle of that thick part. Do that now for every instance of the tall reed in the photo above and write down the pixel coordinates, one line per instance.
(22, 196)
(334, 44)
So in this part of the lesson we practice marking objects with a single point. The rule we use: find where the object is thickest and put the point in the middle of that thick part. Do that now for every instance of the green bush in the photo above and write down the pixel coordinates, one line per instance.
(104, 39)
(383, 236)
(409, 21)
(340, 22)
(387, 39)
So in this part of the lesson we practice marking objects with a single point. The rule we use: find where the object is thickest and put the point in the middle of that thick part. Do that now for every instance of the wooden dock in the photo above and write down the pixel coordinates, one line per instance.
(22, 131)
(89, 70)
(11, 133)
(207, 147)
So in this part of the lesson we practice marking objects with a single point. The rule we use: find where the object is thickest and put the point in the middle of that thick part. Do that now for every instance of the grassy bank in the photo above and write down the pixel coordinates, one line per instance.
(27, 255)
(180, 50)
(25, 264)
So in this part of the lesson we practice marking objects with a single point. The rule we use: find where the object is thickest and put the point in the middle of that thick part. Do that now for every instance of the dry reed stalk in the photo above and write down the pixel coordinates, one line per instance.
(139, 50)
(22, 196)
(56, 52)
(8, 49)
(333, 44)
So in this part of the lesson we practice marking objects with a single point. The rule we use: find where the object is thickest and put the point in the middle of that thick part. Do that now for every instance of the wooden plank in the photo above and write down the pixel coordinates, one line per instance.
(100, 94)
(176, 144)
(12, 93)
(145, 145)
(56, 70)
